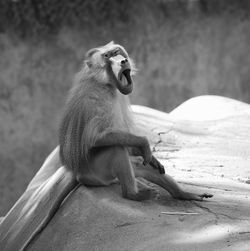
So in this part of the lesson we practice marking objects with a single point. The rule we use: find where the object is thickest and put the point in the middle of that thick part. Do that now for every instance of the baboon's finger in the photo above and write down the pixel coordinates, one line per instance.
(157, 165)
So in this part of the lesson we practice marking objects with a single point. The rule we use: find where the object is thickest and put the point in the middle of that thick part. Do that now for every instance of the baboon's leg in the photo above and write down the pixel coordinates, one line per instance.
(123, 170)
(167, 182)
(124, 139)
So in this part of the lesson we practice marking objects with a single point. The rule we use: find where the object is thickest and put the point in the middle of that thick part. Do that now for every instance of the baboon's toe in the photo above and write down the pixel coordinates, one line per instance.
(206, 195)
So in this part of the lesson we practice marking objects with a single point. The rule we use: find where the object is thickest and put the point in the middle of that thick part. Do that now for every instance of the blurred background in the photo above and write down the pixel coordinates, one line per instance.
(183, 48)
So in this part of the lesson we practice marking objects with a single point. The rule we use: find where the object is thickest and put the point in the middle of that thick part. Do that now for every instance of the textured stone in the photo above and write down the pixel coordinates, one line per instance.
(196, 151)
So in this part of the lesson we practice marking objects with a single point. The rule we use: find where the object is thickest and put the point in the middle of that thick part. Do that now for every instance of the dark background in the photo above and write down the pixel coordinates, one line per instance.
(183, 48)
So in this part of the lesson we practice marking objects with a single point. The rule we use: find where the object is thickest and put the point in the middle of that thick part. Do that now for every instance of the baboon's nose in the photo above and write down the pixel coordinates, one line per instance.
(124, 61)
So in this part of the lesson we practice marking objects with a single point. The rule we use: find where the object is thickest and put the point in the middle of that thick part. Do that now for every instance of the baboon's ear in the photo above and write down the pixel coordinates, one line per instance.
(91, 52)
(88, 63)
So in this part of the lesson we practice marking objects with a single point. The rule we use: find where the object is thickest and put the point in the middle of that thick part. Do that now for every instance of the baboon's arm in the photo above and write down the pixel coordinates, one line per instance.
(120, 138)
(139, 146)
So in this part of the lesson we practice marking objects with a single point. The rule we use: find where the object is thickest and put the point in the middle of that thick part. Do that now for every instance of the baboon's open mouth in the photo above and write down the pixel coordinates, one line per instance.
(125, 82)
(126, 73)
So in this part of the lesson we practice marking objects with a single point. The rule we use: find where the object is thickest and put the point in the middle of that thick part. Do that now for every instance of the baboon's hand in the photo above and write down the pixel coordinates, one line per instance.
(146, 151)
(157, 165)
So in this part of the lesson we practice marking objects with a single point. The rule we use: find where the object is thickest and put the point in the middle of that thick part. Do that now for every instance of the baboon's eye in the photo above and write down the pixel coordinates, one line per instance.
(106, 55)
(116, 52)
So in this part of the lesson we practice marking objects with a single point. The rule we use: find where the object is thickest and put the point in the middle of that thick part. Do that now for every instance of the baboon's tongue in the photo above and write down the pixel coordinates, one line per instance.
(126, 73)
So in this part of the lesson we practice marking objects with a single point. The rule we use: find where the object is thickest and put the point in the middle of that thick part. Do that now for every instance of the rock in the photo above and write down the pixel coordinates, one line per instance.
(193, 137)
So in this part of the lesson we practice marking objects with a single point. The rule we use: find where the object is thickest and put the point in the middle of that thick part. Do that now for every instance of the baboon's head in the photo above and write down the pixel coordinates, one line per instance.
(113, 65)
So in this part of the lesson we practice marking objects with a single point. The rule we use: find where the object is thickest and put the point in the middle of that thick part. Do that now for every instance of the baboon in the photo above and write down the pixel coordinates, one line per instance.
(96, 139)
(96, 132)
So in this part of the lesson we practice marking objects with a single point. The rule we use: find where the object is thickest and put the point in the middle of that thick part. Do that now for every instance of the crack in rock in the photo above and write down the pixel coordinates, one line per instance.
(160, 139)
(219, 214)
(206, 209)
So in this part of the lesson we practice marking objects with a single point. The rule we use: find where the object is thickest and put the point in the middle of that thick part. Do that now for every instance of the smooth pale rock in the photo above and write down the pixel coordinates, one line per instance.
(209, 107)
(204, 144)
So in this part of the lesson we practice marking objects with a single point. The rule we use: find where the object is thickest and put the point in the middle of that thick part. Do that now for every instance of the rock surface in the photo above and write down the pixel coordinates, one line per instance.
(205, 145)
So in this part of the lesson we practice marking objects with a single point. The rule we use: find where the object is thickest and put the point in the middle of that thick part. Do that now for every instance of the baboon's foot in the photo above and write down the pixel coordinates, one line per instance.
(144, 188)
(192, 196)
(144, 193)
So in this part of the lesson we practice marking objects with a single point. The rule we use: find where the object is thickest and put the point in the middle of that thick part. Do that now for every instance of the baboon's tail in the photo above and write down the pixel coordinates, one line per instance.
(36, 206)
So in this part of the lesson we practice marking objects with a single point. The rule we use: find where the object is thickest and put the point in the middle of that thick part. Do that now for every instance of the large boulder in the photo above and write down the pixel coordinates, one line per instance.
(205, 145)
